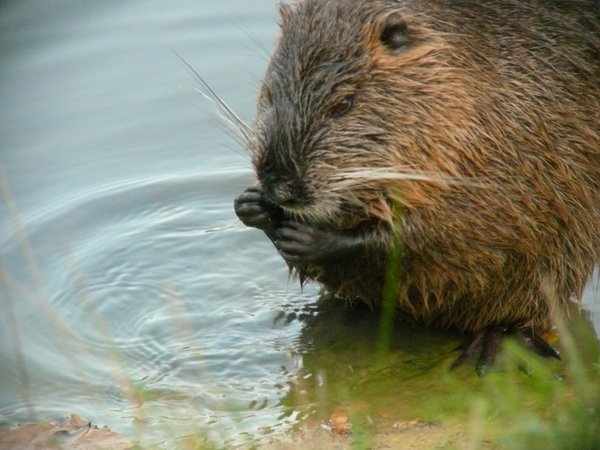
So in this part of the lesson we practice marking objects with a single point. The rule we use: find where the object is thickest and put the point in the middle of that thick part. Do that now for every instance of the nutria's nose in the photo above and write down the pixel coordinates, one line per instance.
(282, 194)
(285, 193)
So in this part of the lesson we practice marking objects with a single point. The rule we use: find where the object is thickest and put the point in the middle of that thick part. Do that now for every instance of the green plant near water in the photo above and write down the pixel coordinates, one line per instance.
(543, 409)
(532, 403)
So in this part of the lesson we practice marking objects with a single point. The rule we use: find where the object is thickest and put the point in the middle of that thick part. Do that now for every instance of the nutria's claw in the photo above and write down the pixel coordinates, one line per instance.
(483, 347)
(304, 243)
(253, 211)
(538, 345)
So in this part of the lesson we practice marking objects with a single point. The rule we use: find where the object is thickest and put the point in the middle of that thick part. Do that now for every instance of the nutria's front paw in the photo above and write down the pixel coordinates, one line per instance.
(303, 243)
(253, 211)
(483, 347)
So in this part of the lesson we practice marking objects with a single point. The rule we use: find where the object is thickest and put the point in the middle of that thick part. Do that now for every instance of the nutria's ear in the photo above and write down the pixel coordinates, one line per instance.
(393, 32)
(285, 10)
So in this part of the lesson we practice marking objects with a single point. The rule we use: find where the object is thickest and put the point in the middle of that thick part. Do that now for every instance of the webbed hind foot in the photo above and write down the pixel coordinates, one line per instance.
(483, 347)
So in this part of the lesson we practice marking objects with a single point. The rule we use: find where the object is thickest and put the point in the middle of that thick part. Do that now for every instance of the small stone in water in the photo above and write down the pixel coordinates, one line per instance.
(339, 423)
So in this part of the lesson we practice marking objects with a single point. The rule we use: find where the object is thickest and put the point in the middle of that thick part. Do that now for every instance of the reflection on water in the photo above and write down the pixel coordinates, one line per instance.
(131, 294)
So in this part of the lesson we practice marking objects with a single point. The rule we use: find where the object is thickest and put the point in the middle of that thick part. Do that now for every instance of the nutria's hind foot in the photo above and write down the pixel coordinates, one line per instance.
(483, 347)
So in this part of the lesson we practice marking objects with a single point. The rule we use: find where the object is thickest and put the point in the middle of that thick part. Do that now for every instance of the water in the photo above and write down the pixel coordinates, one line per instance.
(136, 294)
(131, 294)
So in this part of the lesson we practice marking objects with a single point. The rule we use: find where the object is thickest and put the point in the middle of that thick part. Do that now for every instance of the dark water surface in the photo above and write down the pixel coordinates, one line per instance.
(131, 294)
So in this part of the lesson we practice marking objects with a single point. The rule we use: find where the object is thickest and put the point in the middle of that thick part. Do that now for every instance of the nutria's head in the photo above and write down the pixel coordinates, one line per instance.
(350, 95)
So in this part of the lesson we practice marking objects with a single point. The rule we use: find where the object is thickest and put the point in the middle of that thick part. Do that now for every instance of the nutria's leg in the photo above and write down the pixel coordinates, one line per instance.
(253, 211)
(483, 347)
(300, 243)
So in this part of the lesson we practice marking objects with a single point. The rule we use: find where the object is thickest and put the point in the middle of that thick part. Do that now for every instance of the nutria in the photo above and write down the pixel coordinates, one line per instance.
(447, 152)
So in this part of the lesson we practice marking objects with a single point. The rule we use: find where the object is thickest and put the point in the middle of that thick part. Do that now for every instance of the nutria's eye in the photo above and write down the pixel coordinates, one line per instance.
(394, 33)
(342, 106)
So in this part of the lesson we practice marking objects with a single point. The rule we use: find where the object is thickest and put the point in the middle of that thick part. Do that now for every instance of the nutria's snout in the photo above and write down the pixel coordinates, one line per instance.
(283, 192)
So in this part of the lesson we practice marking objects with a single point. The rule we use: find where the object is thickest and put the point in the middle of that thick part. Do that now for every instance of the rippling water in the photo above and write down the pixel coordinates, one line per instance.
(131, 294)
(137, 299)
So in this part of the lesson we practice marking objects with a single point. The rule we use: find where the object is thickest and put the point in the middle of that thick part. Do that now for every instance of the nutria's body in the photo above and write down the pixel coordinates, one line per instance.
(468, 132)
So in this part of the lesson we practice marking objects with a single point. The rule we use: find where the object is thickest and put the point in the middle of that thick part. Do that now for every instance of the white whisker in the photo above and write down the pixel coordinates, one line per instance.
(356, 177)
(225, 111)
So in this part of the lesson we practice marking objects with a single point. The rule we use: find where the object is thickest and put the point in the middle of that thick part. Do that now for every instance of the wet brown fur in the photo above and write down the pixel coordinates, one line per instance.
(477, 144)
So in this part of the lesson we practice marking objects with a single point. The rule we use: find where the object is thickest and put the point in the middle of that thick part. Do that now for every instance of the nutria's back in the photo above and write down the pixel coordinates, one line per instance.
(469, 132)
